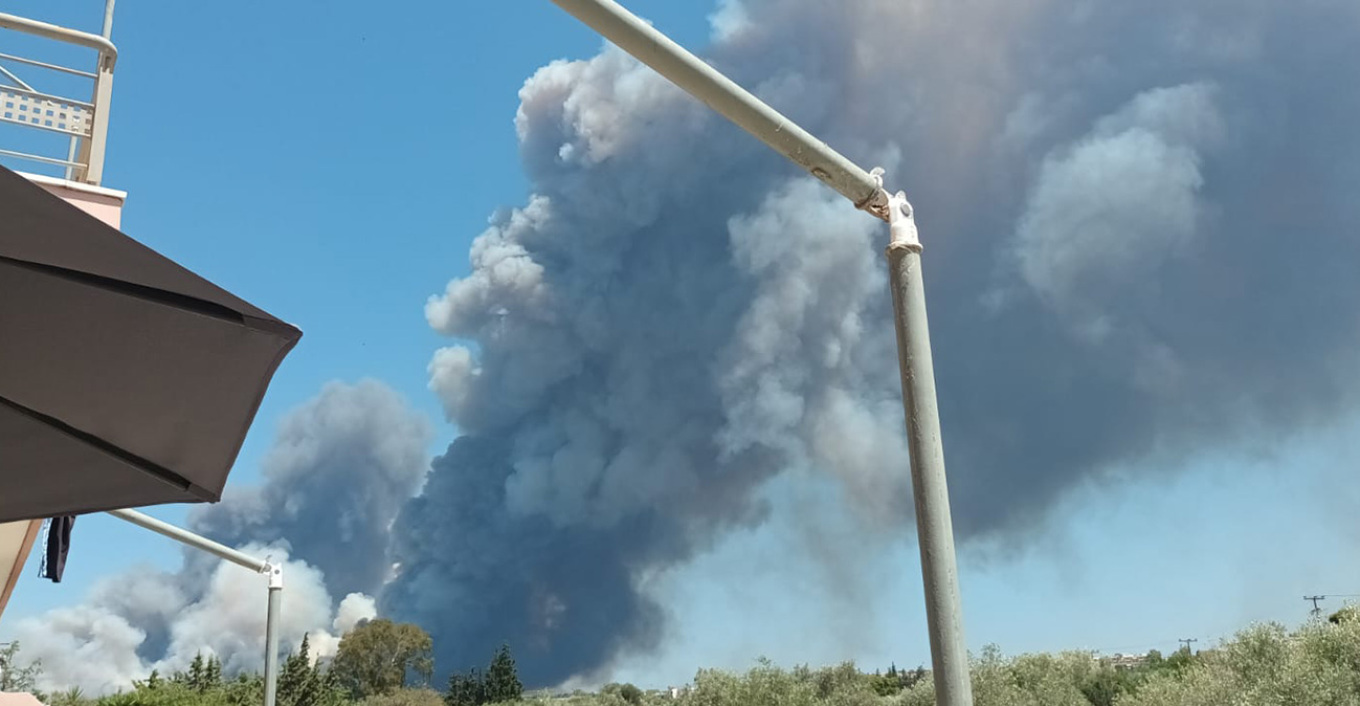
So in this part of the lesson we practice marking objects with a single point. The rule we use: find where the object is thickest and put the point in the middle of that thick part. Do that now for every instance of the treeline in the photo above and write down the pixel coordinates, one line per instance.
(1267, 665)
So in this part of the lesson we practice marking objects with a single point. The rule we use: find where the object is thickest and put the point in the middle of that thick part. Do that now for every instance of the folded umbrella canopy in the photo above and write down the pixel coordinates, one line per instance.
(125, 379)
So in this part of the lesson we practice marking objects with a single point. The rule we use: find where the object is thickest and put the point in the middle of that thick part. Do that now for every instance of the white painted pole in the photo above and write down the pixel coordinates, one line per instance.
(271, 636)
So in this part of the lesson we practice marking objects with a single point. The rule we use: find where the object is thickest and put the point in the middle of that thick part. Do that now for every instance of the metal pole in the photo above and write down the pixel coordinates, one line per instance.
(222, 551)
(934, 526)
(720, 93)
(939, 569)
(184, 536)
(72, 151)
(108, 19)
(271, 637)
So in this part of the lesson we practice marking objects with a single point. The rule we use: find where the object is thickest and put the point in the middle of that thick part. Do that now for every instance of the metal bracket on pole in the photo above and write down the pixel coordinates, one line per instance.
(902, 223)
(275, 573)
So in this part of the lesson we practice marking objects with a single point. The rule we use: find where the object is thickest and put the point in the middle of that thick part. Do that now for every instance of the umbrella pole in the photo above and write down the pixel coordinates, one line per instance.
(222, 551)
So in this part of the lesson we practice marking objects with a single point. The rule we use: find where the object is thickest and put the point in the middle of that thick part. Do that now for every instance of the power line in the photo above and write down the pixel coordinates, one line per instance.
(1187, 642)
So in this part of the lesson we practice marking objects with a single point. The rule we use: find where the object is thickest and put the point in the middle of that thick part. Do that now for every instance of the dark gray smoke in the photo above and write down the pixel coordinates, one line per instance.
(1140, 239)
(339, 471)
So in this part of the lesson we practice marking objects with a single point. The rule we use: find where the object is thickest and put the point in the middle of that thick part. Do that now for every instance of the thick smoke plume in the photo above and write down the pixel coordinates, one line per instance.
(334, 480)
(337, 474)
(1140, 239)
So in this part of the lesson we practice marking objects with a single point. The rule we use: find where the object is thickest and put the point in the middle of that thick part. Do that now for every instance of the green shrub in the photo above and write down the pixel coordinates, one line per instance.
(406, 697)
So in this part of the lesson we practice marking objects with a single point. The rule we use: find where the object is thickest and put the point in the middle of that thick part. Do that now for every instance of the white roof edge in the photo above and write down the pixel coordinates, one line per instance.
(74, 185)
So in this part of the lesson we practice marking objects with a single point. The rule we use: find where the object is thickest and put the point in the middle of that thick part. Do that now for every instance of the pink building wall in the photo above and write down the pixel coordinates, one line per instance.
(104, 204)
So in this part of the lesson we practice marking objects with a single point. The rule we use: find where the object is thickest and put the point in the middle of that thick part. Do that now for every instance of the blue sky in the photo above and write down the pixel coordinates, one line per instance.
(348, 153)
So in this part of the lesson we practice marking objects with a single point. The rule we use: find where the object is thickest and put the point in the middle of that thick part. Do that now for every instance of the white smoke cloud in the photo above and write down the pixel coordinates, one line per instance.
(99, 645)
(805, 370)
(342, 465)
(86, 646)
(1106, 214)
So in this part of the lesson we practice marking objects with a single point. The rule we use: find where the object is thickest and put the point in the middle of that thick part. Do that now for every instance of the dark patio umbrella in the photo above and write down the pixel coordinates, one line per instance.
(125, 379)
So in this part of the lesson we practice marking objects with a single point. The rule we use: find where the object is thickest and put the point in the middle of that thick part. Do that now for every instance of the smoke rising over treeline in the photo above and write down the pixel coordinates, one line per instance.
(1140, 242)
(1140, 232)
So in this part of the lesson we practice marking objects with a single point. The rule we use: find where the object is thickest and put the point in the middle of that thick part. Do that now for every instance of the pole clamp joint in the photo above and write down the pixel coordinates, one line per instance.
(902, 223)
(275, 574)
(876, 203)
(896, 210)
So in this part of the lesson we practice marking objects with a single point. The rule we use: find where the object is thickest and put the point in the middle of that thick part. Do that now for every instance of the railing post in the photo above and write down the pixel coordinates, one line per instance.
(92, 150)
(85, 150)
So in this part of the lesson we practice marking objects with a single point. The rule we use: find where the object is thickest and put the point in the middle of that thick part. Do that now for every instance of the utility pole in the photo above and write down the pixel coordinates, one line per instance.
(934, 526)
(1315, 599)
(1187, 642)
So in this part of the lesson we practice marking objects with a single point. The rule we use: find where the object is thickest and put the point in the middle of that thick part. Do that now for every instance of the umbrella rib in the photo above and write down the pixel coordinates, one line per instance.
(160, 296)
(144, 465)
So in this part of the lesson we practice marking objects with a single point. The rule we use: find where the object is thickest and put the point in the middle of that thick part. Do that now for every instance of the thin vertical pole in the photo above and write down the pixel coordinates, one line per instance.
(271, 636)
(73, 147)
(934, 526)
(72, 151)
(108, 19)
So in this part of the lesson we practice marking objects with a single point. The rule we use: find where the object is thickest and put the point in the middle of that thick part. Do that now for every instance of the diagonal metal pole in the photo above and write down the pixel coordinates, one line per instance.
(222, 551)
(939, 567)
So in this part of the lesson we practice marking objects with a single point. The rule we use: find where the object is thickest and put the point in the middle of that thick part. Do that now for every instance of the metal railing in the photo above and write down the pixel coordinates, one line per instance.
(84, 122)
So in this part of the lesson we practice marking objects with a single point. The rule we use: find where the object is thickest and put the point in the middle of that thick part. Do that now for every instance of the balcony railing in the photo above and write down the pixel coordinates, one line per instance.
(85, 122)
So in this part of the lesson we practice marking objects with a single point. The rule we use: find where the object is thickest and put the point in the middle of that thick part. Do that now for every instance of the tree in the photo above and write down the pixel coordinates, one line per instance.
(502, 680)
(213, 675)
(1104, 686)
(302, 683)
(12, 676)
(908, 678)
(244, 690)
(73, 696)
(1179, 661)
(466, 689)
(631, 694)
(326, 687)
(379, 656)
(197, 677)
(885, 684)
(296, 677)
(406, 697)
(500, 684)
